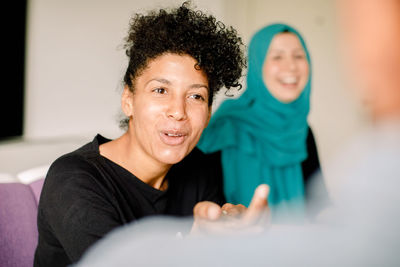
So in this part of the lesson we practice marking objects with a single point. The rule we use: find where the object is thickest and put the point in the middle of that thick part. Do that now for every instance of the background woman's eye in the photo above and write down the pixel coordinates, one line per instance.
(299, 56)
(276, 57)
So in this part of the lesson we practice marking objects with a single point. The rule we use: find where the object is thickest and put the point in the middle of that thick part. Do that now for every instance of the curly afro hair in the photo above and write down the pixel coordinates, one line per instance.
(217, 49)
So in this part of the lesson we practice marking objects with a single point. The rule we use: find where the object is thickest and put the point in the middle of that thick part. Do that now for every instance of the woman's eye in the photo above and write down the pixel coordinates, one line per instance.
(160, 90)
(299, 56)
(276, 57)
(197, 97)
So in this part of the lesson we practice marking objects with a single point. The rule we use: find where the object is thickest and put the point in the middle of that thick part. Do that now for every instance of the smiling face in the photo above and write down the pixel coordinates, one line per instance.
(285, 69)
(168, 110)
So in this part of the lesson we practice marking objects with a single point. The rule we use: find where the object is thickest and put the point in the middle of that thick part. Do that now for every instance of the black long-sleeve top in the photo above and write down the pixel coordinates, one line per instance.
(85, 196)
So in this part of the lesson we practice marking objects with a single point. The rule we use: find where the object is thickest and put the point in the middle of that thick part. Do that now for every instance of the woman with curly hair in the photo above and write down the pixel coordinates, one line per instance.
(178, 60)
(263, 136)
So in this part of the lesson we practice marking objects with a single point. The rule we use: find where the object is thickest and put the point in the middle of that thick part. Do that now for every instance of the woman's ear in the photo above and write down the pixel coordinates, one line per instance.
(127, 101)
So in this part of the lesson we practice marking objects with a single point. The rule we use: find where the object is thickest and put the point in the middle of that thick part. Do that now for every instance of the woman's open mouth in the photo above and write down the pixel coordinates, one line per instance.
(173, 138)
(289, 82)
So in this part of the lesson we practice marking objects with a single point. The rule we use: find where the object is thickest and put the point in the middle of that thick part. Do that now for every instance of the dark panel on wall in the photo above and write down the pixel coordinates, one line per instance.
(13, 38)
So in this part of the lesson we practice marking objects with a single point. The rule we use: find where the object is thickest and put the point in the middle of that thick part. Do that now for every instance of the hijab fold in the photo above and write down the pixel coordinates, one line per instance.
(261, 139)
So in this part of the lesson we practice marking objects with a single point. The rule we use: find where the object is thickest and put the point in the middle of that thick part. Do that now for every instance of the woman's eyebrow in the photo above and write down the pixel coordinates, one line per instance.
(167, 82)
(198, 85)
(160, 80)
(275, 50)
(300, 49)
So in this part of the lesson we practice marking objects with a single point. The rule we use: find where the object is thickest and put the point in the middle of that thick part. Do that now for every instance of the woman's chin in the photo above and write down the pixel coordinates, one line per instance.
(171, 157)
(288, 97)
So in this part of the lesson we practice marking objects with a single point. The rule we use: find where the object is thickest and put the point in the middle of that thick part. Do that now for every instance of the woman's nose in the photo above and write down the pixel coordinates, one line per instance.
(177, 109)
(291, 64)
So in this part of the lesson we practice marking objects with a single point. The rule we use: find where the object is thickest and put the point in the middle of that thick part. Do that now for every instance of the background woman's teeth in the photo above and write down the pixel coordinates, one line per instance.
(289, 80)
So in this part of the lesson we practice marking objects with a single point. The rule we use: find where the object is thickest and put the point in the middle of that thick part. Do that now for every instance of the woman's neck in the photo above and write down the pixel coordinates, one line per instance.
(122, 151)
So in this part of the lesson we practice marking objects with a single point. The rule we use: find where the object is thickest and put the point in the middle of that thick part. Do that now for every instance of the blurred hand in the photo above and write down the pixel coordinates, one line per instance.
(210, 218)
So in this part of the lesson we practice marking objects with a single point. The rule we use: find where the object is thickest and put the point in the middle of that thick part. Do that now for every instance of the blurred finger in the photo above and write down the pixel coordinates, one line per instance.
(258, 207)
(229, 209)
(207, 210)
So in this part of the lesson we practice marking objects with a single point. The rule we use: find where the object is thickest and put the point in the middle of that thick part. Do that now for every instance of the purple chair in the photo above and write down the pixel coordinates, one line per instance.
(18, 227)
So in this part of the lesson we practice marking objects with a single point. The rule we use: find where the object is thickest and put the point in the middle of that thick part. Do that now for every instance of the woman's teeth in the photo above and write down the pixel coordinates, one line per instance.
(174, 135)
(289, 80)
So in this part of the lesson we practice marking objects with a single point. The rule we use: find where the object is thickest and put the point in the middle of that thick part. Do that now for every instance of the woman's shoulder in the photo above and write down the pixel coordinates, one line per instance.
(76, 165)
(76, 159)
(310, 138)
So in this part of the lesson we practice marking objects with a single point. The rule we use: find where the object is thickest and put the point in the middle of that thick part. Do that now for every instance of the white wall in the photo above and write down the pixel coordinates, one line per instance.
(75, 64)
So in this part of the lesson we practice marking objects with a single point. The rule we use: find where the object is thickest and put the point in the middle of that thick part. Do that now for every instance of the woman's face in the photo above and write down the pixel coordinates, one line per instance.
(168, 110)
(285, 70)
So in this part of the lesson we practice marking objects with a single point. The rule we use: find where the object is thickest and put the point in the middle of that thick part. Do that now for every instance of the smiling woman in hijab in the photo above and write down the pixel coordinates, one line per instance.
(263, 136)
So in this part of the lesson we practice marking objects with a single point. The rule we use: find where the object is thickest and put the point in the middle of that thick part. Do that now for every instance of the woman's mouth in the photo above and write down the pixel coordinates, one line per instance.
(172, 137)
(289, 82)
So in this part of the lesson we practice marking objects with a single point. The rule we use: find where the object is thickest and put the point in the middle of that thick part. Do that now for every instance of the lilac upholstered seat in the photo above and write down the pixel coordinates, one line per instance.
(36, 188)
(18, 228)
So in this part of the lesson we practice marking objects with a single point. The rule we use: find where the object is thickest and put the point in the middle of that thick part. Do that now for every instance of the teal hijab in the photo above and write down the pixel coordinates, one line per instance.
(261, 139)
